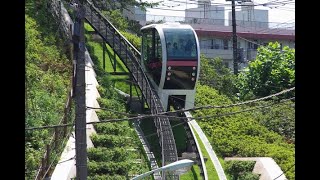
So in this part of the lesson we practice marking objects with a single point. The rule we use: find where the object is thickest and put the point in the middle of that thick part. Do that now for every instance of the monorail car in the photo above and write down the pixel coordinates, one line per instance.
(170, 57)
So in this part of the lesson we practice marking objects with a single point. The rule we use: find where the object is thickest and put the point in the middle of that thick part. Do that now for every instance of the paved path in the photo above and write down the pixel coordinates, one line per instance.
(66, 169)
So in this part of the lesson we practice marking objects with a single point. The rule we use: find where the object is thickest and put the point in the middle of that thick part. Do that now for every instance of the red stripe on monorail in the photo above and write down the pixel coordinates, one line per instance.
(182, 63)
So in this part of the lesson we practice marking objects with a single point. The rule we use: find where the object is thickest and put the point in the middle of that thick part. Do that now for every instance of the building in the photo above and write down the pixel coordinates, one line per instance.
(216, 41)
(205, 13)
(144, 17)
(215, 31)
(135, 13)
(253, 29)
(250, 17)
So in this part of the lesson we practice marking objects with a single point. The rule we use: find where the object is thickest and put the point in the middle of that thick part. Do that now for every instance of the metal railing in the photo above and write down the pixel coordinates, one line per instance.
(130, 56)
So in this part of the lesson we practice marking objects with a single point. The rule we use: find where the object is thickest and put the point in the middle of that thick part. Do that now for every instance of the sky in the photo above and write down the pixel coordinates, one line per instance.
(280, 14)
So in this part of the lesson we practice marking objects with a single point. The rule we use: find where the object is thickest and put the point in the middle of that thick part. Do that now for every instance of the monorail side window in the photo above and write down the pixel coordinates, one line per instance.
(146, 46)
(152, 53)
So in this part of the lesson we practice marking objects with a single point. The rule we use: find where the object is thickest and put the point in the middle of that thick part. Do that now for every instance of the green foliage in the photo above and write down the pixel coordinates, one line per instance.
(135, 27)
(209, 164)
(116, 19)
(112, 128)
(279, 118)
(110, 141)
(106, 154)
(105, 81)
(272, 71)
(249, 176)
(193, 173)
(111, 168)
(214, 73)
(47, 81)
(133, 39)
(230, 135)
(96, 53)
(106, 177)
(180, 137)
(123, 4)
(237, 169)
(115, 142)
(111, 103)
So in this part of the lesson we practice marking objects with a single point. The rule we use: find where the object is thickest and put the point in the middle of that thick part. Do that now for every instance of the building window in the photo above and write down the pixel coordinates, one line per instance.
(225, 44)
(216, 44)
(253, 45)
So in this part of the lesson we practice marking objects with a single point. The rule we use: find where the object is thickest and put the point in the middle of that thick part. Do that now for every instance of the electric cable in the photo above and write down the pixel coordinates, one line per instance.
(155, 115)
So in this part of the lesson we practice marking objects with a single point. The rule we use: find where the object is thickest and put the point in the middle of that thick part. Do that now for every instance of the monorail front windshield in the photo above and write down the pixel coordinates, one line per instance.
(181, 44)
(182, 58)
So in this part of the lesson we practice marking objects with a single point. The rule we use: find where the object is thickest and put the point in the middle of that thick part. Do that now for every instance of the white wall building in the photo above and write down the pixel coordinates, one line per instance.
(135, 13)
(145, 17)
(205, 13)
(250, 17)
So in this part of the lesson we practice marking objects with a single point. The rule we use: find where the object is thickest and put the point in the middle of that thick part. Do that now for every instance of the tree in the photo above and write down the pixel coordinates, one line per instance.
(117, 19)
(272, 71)
(241, 169)
(280, 119)
(113, 11)
(213, 73)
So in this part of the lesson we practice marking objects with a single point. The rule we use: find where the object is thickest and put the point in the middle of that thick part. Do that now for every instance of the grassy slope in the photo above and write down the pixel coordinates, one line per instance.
(48, 73)
(97, 55)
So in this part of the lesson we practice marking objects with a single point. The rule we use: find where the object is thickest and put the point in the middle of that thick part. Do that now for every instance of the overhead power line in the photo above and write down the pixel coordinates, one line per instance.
(271, 4)
(220, 115)
(241, 103)
(163, 113)
(134, 83)
(159, 115)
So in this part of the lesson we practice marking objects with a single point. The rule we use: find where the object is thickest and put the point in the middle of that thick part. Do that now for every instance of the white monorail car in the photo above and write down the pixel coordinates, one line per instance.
(170, 57)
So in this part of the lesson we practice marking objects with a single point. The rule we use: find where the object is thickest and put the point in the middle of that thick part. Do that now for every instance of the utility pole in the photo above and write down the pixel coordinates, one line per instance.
(234, 37)
(80, 92)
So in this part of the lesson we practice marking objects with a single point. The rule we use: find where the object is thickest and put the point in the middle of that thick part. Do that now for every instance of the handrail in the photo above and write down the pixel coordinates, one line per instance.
(92, 6)
(130, 45)
(131, 56)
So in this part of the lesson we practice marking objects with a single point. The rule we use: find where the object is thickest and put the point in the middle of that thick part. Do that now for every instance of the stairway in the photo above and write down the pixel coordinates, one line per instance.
(130, 56)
